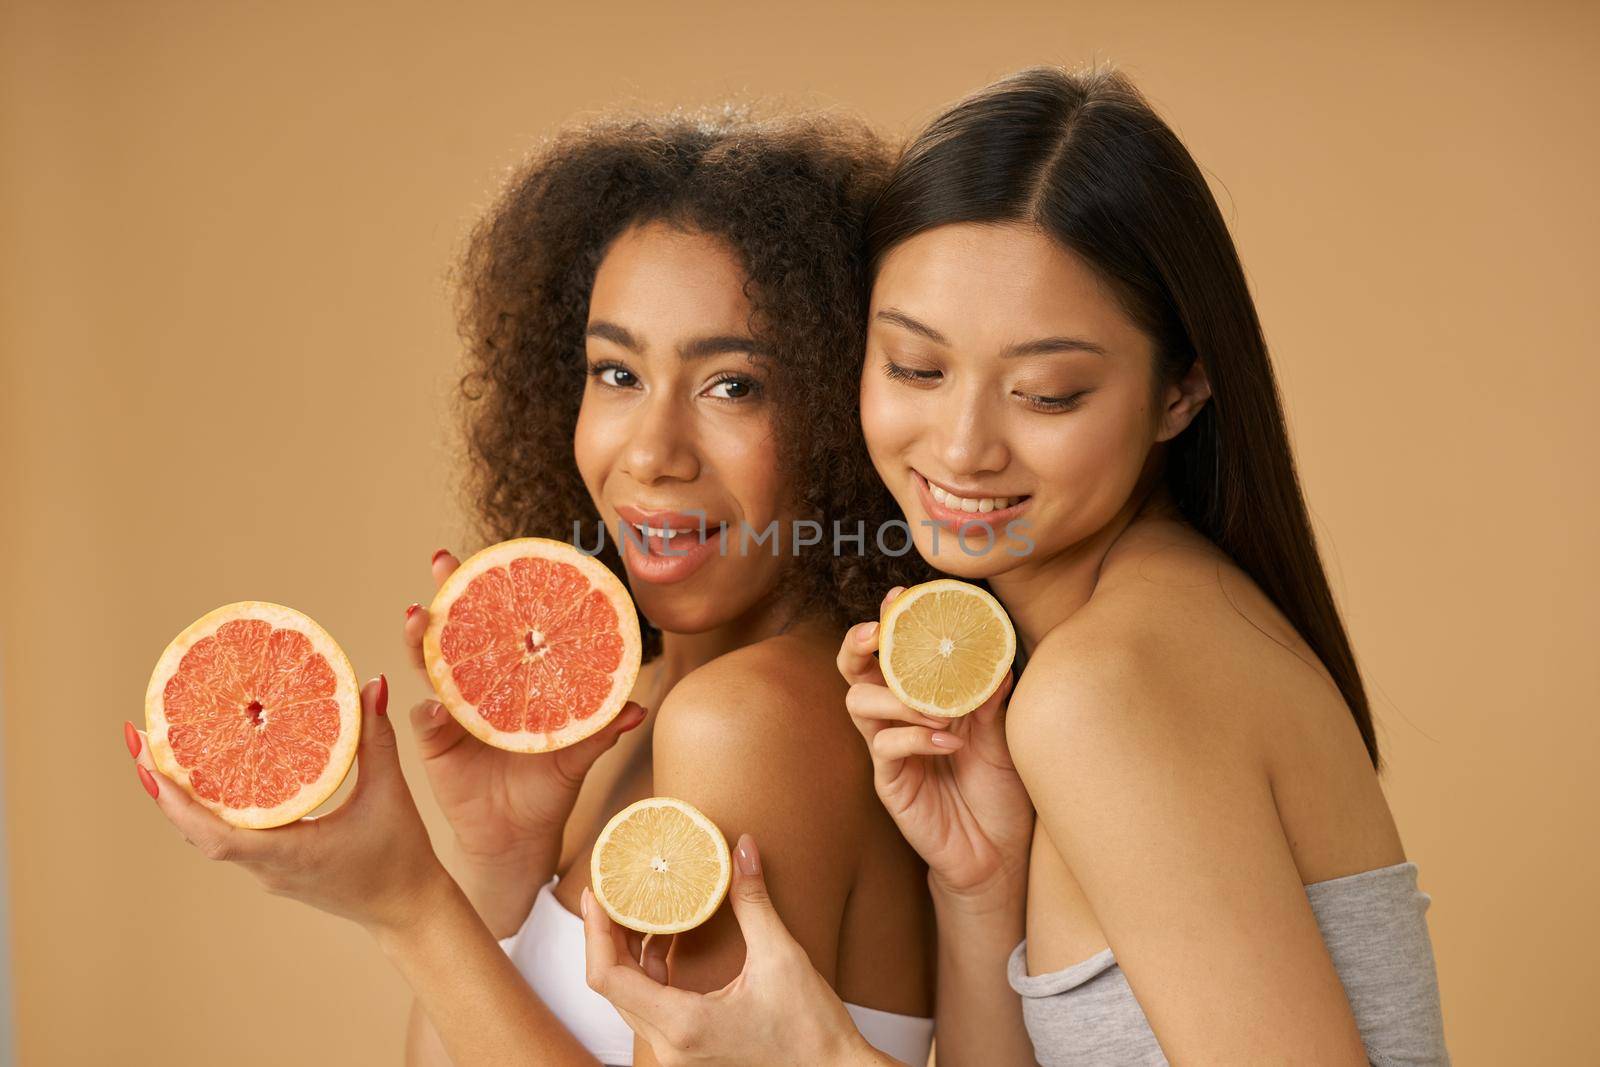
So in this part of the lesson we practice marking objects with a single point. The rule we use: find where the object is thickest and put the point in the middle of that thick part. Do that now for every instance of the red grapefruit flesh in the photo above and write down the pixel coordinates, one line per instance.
(255, 711)
(532, 645)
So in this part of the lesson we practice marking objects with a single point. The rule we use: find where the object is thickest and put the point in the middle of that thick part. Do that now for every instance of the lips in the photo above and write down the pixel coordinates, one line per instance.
(665, 546)
(955, 510)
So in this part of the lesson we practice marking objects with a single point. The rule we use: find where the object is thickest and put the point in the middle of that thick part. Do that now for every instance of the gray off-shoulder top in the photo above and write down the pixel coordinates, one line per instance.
(1375, 928)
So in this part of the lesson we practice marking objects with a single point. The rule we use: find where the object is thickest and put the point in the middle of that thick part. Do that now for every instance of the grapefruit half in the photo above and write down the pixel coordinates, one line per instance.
(255, 711)
(532, 645)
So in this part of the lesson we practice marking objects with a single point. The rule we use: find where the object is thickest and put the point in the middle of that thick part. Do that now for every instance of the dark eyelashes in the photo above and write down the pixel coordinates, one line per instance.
(753, 388)
(907, 374)
(1056, 403)
(1049, 404)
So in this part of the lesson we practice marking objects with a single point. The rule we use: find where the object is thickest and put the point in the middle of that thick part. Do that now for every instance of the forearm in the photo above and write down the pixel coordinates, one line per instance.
(483, 1012)
(979, 1016)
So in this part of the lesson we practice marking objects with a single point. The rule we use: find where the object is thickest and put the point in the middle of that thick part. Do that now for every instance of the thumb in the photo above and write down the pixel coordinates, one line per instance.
(763, 929)
(378, 752)
(574, 761)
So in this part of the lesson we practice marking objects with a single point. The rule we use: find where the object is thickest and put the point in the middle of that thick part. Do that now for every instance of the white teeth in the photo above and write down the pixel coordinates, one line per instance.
(980, 505)
(651, 531)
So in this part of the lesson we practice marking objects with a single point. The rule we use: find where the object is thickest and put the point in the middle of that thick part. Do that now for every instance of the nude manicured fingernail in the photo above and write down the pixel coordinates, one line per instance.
(441, 552)
(412, 610)
(583, 902)
(149, 783)
(383, 695)
(131, 736)
(747, 857)
(636, 715)
(946, 740)
(869, 631)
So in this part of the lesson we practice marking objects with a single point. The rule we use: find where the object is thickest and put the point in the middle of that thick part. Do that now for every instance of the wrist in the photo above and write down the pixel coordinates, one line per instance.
(534, 858)
(1002, 896)
(432, 889)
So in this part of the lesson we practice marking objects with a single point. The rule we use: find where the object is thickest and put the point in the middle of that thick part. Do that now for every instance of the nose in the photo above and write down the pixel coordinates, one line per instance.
(969, 439)
(660, 444)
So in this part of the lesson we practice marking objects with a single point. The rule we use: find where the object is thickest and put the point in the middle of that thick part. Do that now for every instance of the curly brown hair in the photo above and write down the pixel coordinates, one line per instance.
(789, 196)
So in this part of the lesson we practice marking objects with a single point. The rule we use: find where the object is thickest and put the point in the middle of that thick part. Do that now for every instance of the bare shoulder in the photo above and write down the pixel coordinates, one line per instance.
(768, 713)
(1176, 648)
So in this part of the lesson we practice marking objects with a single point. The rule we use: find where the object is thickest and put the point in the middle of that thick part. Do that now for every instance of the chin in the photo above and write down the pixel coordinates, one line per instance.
(976, 566)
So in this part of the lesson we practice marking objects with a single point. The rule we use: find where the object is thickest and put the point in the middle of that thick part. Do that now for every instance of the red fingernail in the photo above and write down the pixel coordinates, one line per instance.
(412, 610)
(131, 736)
(147, 780)
(441, 552)
(383, 695)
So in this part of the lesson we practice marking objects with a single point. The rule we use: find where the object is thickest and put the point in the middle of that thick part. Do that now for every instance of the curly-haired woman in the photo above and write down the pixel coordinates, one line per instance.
(663, 320)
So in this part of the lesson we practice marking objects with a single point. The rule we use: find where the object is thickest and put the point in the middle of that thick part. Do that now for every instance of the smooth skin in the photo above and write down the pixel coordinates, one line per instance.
(370, 861)
(751, 729)
(751, 726)
(1192, 764)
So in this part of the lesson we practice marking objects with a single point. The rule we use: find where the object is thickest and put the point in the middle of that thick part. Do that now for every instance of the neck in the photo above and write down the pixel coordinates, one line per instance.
(683, 652)
(1044, 592)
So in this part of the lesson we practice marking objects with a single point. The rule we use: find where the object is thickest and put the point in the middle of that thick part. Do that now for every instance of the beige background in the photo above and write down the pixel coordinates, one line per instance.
(227, 358)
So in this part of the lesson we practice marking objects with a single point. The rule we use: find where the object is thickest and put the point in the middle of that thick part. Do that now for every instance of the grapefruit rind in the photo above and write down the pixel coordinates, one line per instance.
(600, 578)
(712, 902)
(347, 694)
(898, 607)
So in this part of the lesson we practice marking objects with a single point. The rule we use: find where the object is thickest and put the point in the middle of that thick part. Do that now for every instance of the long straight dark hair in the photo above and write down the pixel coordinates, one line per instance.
(1085, 157)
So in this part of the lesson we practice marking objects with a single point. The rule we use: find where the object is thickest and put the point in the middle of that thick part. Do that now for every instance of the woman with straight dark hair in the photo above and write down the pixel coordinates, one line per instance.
(1171, 842)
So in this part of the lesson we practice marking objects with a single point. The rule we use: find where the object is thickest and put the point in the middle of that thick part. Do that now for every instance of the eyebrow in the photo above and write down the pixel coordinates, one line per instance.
(699, 348)
(1036, 347)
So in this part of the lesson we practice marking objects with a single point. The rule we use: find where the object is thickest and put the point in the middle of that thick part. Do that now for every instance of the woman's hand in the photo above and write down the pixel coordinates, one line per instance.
(949, 784)
(777, 1011)
(507, 809)
(369, 860)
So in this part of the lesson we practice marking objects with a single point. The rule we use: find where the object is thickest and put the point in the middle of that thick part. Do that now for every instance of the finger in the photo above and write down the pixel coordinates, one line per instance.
(621, 980)
(633, 944)
(993, 708)
(416, 625)
(198, 824)
(377, 750)
(900, 742)
(988, 730)
(888, 598)
(765, 935)
(654, 960)
(444, 565)
(878, 702)
(574, 761)
(856, 660)
(435, 729)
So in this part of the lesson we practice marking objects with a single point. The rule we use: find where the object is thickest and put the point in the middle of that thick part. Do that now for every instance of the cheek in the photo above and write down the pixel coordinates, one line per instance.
(747, 469)
(1094, 462)
(594, 446)
(889, 420)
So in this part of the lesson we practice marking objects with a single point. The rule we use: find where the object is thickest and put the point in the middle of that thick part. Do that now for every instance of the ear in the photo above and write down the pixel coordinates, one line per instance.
(1182, 400)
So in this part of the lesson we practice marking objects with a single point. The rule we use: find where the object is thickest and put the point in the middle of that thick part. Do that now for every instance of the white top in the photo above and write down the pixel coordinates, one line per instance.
(549, 952)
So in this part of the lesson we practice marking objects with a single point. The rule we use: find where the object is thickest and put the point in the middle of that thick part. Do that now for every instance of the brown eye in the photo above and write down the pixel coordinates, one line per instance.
(614, 375)
(733, 387)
